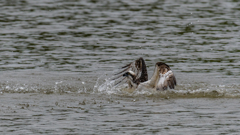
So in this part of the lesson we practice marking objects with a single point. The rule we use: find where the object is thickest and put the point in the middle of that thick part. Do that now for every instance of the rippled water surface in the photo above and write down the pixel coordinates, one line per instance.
(57, 57)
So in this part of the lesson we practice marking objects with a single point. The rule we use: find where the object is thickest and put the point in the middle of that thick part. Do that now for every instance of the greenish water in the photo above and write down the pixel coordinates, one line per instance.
(57, 58)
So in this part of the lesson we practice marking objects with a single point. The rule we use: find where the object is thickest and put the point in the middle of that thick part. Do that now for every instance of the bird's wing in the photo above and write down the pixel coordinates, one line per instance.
(137, 68)
(166, 77)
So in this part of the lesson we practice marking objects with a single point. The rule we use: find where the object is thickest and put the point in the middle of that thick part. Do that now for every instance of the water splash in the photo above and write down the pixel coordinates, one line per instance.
(197, 90)
(108, 87)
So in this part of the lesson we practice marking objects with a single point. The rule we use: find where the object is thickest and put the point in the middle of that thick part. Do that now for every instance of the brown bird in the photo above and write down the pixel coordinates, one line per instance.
(136, 76)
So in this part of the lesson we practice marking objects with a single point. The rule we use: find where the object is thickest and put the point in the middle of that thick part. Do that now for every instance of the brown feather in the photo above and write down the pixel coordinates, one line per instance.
(170, 80)
(136, 73)
(139, 69)
(120, 81)
(122, 71)
(126, 65)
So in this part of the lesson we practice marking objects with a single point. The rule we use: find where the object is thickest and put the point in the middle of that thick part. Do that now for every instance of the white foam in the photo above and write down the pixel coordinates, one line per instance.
(181, 91)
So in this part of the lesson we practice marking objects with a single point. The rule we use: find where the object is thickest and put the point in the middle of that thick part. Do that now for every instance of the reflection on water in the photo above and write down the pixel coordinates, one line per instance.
(57, 57)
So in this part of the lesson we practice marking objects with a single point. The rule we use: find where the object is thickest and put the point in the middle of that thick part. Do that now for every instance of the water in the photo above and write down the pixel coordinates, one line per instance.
(57, 58)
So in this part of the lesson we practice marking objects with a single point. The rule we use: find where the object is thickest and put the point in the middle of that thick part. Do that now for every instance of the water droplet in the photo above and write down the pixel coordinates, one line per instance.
(58, 82)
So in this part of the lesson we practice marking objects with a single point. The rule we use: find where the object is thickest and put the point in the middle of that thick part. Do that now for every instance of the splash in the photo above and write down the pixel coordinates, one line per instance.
(196, 90)
(107, 87)
(53, 87)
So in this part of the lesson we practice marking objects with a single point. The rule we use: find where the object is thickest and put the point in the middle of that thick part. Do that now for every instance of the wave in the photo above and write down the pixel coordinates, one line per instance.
(104, 85)
(196, 90)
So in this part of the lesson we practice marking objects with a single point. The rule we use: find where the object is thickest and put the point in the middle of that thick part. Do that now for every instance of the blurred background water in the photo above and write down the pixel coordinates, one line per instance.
(69, 49)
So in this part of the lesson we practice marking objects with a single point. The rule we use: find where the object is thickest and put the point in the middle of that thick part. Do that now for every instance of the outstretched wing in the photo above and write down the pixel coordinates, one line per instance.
(166, 77)
(136, 68)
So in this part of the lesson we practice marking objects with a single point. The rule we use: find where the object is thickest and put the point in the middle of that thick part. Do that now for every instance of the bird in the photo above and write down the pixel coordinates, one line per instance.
(136, 76)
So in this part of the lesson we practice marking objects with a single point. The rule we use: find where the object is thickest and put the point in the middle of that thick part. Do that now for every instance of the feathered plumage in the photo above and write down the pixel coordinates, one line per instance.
(136, 76)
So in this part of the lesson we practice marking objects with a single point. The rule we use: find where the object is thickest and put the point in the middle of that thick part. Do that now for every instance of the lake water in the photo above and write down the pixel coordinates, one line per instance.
(57, 58)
